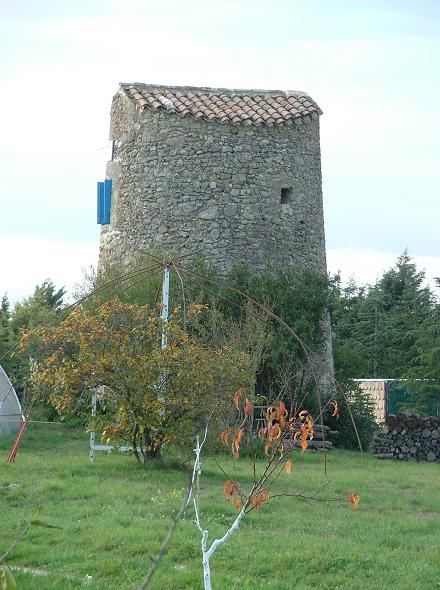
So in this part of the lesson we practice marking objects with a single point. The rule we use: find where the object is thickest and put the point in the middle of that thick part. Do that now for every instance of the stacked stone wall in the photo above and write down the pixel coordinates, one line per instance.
(408, 437)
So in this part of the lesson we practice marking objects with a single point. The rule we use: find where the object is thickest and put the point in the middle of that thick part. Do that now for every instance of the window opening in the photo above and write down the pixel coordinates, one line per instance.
(286, 196)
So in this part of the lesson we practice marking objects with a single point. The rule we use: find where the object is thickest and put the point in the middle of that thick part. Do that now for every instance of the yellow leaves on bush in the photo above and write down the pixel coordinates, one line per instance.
(288, 466)
(109, 434)
(353, 498)
(116, 348)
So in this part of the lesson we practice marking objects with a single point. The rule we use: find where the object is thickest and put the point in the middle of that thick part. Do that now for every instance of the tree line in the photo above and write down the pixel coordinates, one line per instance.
(387, 330)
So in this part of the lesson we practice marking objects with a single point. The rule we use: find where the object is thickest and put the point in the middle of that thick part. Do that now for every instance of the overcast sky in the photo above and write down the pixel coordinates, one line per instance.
(373, 67)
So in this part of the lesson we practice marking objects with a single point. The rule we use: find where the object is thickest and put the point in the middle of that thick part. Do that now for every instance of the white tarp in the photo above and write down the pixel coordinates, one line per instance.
(10, 409)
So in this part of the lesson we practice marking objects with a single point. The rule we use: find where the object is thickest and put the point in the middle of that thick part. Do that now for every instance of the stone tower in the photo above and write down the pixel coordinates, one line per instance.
(234, 175)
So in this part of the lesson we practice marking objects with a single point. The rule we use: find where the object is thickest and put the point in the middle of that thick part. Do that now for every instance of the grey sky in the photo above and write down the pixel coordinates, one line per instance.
(371, 66)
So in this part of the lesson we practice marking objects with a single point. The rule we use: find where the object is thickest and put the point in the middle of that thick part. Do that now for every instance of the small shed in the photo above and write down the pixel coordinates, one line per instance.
(377, 390)
(11, 414)
(388, 396)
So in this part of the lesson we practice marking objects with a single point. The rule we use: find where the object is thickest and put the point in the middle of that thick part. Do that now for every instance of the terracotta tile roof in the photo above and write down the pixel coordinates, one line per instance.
(236, 107)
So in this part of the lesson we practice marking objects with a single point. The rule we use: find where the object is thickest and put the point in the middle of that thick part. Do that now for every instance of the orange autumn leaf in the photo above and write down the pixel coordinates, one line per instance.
(309, 426)
(304, 432)
(353, 498)
(288, 466)
(237, 503)
(275, 432)
(248, 407)
(229, 487)
(239, 436)
(271, 415)
(282, 410)
(335, 409)
(267, 448)
(225, 436)
(259, 499)
(262, 432)
(236, 443)
(236, 398)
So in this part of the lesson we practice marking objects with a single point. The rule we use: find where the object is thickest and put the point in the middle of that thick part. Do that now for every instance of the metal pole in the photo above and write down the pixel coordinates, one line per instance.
(165, 302)
(92, 432)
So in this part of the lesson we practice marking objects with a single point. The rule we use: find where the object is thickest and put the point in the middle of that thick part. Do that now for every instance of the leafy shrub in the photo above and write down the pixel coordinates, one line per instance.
(153, 396)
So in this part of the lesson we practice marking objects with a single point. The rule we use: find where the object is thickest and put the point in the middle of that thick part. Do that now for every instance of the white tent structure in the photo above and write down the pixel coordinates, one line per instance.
(10, 409)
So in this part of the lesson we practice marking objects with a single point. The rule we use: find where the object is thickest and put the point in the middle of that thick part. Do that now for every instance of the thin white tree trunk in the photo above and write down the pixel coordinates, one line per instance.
(205, 562)
(208, 553)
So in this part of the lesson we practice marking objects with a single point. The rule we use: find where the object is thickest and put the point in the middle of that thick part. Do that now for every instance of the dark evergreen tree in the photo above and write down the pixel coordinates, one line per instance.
(375, 328)
(38, 309)
(7, 339)
(424, 373)
(402, 305)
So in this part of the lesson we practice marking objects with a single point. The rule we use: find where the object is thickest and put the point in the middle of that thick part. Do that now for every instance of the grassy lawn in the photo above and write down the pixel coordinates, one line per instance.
(115, 514)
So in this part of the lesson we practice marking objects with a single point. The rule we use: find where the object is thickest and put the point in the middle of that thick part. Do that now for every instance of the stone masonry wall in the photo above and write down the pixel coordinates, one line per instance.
(188, 185)
(408, 437)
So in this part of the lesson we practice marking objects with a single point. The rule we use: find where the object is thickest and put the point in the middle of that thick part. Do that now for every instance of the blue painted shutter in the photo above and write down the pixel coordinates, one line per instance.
(107, 200)
(104, 201)
(100, 201)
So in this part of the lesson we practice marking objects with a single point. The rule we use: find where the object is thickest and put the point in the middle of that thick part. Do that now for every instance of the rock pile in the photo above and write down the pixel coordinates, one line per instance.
(408, 437)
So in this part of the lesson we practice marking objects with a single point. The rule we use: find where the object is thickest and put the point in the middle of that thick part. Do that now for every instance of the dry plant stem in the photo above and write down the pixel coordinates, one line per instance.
(18, 538)
(167, 541)
(309, 499)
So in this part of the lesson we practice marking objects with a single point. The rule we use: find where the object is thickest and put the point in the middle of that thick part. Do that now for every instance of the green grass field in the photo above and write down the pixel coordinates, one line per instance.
(115, 514)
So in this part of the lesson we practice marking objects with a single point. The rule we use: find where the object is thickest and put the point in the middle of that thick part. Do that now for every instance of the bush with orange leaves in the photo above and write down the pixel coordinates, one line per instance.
(282, 433)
